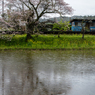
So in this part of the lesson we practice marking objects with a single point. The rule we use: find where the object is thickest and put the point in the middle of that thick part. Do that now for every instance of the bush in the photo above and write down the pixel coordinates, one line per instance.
(62, 26)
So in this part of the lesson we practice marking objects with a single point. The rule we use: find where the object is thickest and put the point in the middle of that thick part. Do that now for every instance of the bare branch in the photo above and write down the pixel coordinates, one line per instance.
(34, 7)
(25, 4)
(38, 4)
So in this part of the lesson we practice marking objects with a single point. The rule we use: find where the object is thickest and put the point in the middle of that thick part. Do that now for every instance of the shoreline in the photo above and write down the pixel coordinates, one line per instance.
(46, 49)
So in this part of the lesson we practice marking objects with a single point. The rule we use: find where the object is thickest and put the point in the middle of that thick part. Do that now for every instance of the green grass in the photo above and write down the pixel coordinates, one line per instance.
(47, 42)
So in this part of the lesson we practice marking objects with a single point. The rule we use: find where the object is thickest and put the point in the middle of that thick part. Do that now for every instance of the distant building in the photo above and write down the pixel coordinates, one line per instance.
(79, 24)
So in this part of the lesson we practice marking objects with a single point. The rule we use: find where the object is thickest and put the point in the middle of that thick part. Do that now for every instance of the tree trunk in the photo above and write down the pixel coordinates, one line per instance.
(28, 36)
(30, 29)
(83, 32)
(58, 35)
(83, 35)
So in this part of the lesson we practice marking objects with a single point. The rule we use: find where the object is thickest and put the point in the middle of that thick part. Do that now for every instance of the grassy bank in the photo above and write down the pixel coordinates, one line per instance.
(47, 42)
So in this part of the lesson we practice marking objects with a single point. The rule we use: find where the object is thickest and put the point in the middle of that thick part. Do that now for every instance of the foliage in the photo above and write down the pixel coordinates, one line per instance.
(87, 29)
(62, 26)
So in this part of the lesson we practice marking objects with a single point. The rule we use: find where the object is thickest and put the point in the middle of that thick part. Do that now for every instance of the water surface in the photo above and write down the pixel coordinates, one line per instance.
(47, 72)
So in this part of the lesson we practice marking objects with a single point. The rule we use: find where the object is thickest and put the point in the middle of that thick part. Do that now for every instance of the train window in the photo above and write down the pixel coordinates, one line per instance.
(79, 24)
(73, 24)
(76, 23)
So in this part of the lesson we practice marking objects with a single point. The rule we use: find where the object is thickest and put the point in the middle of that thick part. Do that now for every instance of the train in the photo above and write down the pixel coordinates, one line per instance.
(86, 24)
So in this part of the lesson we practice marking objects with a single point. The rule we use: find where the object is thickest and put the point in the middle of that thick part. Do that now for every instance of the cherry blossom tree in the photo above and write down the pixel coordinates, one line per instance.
(33, 10)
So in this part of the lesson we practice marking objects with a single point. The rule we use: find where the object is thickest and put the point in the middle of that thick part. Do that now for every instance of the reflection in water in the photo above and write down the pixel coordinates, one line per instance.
(47, 72)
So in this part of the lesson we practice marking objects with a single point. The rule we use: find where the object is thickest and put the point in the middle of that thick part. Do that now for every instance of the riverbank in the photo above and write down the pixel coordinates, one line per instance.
(49, 42)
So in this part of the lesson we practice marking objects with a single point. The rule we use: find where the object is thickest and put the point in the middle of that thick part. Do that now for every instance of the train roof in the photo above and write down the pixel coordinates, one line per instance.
(88, 20)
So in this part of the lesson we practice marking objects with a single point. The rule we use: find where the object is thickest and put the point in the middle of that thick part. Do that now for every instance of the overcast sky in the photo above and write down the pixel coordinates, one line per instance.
(82, 7)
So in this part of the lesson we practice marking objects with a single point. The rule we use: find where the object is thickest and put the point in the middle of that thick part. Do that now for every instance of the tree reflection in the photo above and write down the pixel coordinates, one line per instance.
(28, 78)
(3, 70)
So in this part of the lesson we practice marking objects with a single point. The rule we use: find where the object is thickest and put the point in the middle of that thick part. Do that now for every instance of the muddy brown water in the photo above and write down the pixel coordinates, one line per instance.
(57, 72)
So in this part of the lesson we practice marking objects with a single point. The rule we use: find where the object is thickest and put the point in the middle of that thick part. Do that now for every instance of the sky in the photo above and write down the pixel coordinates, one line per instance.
(82, 7)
